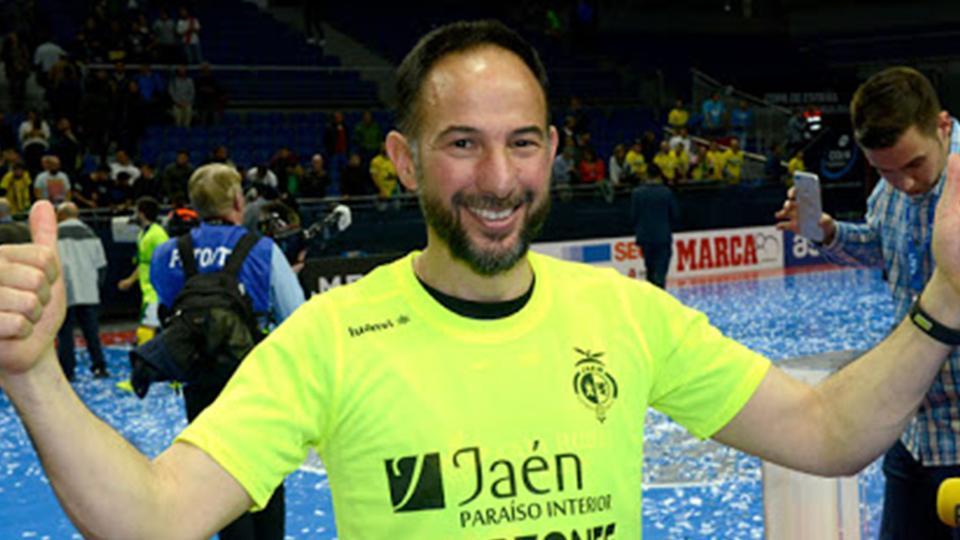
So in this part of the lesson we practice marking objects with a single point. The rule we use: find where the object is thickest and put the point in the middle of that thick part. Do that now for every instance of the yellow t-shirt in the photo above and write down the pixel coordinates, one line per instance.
(733, 165)
(434, 425)
(667, 163)
(18, 191)
(717, 161)
(677, 118)
(636, 163)
(384, 175)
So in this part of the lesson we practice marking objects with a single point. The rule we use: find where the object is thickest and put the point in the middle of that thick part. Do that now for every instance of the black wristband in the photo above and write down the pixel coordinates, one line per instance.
(922, 320)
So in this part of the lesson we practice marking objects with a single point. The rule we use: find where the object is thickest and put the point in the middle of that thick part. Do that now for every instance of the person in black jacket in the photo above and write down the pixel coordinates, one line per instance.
(654, 213)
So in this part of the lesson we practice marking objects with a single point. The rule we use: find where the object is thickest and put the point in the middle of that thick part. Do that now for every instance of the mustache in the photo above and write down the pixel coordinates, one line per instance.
(486, 201)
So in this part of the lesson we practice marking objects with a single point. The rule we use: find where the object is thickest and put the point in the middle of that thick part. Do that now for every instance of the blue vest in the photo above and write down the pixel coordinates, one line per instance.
(212, 244)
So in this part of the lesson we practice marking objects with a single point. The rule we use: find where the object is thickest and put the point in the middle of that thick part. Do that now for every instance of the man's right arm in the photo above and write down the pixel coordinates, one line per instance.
(107, 487)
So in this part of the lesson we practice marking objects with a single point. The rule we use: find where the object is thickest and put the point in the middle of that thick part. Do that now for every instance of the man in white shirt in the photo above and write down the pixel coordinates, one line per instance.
(52, 184)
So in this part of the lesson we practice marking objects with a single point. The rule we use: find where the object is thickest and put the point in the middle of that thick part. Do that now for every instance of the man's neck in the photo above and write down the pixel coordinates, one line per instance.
(436, 267)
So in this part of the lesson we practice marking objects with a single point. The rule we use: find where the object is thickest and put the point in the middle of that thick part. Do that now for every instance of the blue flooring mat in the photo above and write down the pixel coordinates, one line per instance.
(692, 489)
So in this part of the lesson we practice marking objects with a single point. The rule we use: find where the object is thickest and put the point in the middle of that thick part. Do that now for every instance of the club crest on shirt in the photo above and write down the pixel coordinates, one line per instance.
(593, 384)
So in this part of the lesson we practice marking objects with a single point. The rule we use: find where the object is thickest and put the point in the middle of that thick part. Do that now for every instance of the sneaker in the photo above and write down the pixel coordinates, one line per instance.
(100, 373)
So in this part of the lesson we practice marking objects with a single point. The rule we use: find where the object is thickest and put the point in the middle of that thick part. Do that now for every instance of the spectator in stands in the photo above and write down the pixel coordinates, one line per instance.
(34, 136)
(52, 184)
(119, 78)
(84, 266)
(564, 168)
(8, 137)
(123, 165)
(65, 90)
(45, 56)
(650, 145)
(260, 175)
(16, 65)
(152, 234)
(93, 190)
(682, 137)
(8, 157)
(367, 137)
(568, 132)
(733, 159)
(96, 113)
(356, 178)
(795, 127)
(654, 214)
(715, 160)
(313, 17)
(221, 155)
(15, 186)
(121, 192)
(11, 232)
(741, 122)
(666, 162)
(182, 94)
(384, 174)
(147, 184)
(181, 217)
(130, 117)
(714, 114)
(211, 97)
(576, 109)
(591, 167)
(678, 116)
(115, 41)
(188, 29)
(65, 145)
(773, 169)
(174, 178)
(699, 164)
(795, 165)
(683, 161)
(286, 167)
(636, 162)
(152, 90)
(315, 179)
(617, 168)
(140, 41)
(168, 44)
(336, 144)
(253, 210)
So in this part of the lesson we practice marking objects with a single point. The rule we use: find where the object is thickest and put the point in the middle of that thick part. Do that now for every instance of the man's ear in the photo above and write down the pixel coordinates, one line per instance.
(944, 122)
(398, 148)
(554, 142)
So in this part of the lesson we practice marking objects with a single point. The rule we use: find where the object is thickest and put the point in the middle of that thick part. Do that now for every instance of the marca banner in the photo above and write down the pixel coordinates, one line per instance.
(701, 253)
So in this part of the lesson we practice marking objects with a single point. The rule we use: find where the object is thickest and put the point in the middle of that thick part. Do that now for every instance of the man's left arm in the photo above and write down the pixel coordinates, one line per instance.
(842, 424)
(286, 294)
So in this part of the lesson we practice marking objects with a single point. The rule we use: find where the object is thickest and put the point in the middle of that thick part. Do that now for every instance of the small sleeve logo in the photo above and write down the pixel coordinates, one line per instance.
(415, 482)
(593, 384)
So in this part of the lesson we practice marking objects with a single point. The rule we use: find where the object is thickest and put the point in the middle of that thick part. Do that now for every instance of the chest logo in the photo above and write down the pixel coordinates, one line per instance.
(593, 384)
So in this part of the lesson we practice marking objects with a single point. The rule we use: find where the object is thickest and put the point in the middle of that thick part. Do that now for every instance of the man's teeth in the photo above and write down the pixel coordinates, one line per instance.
(491, 215)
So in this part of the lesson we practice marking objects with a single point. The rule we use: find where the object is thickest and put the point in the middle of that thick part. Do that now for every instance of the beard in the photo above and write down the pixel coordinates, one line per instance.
(491, 261)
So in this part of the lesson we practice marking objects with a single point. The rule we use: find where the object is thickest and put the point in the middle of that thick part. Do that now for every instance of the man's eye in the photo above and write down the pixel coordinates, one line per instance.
(462, 143)
(525, 143)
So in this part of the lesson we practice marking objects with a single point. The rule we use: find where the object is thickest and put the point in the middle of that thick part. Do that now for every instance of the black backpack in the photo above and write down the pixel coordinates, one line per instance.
(209, 329)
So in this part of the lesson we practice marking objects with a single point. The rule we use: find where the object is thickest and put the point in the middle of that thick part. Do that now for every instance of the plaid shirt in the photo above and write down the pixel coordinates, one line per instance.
(896, 237)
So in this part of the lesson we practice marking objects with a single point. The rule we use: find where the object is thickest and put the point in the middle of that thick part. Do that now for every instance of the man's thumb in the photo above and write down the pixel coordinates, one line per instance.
(43, 224)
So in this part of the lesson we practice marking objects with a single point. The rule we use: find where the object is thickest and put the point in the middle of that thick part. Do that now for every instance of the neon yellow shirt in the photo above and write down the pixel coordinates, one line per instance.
(147, 241)
(433, 425)
(717, 161)
(733, 165)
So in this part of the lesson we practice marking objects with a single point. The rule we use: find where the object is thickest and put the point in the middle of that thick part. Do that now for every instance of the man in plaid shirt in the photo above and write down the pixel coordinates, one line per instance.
(904, 133)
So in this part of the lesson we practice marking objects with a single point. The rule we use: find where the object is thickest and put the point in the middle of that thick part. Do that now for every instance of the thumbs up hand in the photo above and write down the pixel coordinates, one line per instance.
(32, 296)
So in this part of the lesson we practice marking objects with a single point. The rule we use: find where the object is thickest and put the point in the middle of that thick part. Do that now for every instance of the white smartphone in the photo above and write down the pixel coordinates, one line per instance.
(809, 207)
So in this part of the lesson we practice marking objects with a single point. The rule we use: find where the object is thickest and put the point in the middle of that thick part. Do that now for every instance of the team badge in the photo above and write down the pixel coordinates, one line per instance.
(593, 384)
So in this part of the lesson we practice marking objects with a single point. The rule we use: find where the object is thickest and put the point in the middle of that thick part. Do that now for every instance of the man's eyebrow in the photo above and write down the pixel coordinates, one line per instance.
(529, 130)
(459, 130)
